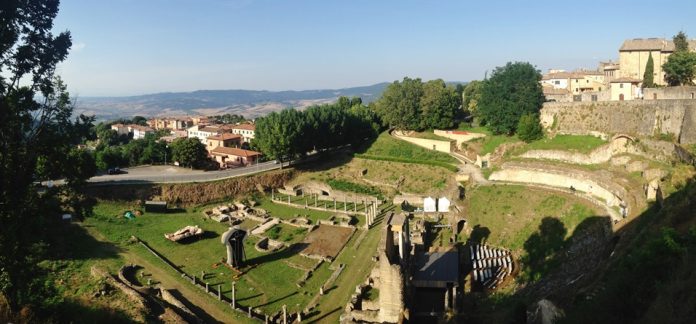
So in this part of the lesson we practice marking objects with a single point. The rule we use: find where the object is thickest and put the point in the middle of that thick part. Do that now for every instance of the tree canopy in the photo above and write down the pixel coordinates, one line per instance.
(680, 67)
(291, 133)
(37, 142)
(189, 152)
(414, 105)
(512, 91)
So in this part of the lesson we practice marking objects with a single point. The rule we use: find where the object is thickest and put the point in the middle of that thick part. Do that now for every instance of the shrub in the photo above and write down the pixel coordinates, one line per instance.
(529, 128)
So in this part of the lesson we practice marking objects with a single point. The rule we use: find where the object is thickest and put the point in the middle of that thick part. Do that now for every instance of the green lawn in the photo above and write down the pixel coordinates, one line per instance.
(509, 214)
(578, 143)
(269, 284)
(390, 147)
(286, 233)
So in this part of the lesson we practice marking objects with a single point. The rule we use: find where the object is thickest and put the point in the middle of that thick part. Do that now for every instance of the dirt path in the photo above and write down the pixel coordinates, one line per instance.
(169, 281)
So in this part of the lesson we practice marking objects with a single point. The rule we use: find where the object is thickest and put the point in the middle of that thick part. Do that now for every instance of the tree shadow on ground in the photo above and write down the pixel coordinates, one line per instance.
(326, 161)
(280, 255)
(277, 299)
(73, 242)
(479, 234)
(541, 247)
(193, 239)
(203, 315)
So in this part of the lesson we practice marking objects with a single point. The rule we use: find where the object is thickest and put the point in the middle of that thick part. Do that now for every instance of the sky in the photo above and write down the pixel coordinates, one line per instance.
(132, 47)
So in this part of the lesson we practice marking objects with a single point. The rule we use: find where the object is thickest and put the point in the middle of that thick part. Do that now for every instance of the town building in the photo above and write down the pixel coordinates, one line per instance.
(139, 131)
(170, 123)
(626, 89)
(634, 54)
(246, 130)
(229, 157)
(120, 129)
(203, 132)
(223, 140)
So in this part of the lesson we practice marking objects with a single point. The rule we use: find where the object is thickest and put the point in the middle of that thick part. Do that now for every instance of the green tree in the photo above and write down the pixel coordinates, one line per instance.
(681, 42)
(399, 106)
(648, 76)
(512, 91)
(139, 120)
(189, 152)
(37, 131)
(439, 104)
(279, 135)
(471, 97)
(529, 128)
(680, 68)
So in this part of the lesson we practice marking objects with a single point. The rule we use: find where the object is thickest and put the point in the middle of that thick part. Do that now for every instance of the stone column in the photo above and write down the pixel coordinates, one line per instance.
(272, 194)
(249, 310)
(401, 245)
(447, 296)
(206, 288)
(219, 292)
(285, 314)
(454, 298)
(234, 296)
(299, 317)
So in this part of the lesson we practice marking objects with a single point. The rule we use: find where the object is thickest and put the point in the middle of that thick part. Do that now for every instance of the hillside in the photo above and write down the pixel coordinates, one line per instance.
(250, 103)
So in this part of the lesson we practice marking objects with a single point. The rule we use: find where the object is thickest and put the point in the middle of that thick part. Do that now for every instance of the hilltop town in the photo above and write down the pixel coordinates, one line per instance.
(564, 197)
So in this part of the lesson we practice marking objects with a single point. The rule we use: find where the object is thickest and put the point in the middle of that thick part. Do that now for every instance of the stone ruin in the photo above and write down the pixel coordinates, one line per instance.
(388, 276)
(188, 231)
(490, 265)
(235, 213)
(233, 239)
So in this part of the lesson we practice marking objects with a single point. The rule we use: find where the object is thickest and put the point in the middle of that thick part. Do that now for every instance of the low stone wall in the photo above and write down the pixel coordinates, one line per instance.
(599, 155)
(683, 92)
(459, 136)
(611, 193)
(430, 144)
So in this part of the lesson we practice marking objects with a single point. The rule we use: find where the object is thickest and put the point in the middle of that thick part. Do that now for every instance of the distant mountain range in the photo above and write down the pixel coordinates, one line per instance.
(250, 103)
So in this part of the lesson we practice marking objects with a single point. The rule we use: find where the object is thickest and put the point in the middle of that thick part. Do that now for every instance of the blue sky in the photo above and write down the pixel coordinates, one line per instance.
(130, 47)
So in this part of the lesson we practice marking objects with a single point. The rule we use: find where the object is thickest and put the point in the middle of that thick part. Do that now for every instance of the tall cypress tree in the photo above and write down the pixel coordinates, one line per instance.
(648, 77)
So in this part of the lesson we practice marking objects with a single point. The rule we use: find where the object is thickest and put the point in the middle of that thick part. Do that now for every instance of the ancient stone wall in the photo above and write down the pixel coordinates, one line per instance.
(635, 117)
(684, 92)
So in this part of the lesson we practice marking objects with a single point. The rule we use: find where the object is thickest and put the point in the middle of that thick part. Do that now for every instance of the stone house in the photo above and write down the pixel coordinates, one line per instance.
(625, 89)
(222, 140)
(634, 54)
(203, 132)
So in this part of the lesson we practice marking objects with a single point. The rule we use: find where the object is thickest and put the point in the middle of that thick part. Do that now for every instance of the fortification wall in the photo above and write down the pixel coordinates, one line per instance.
(635, 117)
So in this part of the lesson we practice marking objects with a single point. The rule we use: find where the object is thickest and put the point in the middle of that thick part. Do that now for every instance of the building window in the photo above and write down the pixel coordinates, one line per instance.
(692, 95)
(621, 85)
(594, 97)
(587, 81)
(557, 82)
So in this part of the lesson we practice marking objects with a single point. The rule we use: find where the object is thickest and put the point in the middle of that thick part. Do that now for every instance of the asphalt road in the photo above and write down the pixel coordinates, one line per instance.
(174, 174)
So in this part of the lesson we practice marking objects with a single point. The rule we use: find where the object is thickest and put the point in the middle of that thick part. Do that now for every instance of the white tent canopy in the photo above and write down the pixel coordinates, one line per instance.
(443, 205)
(429, 205)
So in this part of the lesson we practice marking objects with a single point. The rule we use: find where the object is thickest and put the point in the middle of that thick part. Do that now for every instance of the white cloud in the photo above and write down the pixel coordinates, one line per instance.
(78, 47)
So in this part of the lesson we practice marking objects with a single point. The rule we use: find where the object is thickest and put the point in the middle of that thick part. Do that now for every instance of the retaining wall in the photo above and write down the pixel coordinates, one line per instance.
(430, 144)
(634, 117)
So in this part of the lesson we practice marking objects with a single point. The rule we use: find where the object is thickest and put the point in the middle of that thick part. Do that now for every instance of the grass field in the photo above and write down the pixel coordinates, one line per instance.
(269, 280)
(577, 143)
(507, 215)
(268, 285)
(389, 147)
(429, 135)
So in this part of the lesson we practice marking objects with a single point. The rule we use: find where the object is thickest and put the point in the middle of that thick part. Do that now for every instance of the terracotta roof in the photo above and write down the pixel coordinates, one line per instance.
(224, 137)
(626, 80)
(234, 151)
(209, 129)
(651, 44)
(245, 126)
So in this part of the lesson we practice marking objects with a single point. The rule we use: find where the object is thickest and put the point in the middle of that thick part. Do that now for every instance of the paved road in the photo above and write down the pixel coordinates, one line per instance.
(174, 174)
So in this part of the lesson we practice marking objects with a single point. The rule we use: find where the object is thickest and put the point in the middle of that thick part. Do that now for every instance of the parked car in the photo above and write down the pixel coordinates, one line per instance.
(114, 171)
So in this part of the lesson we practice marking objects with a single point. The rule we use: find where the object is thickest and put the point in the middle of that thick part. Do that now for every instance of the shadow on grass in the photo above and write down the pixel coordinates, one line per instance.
(73, 242)
(319, 319)
(278, 299)
(479, 234)
(195, 309)
(280, 255)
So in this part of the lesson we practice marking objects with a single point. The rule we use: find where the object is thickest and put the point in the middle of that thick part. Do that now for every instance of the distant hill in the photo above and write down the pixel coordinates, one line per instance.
(250, 103)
